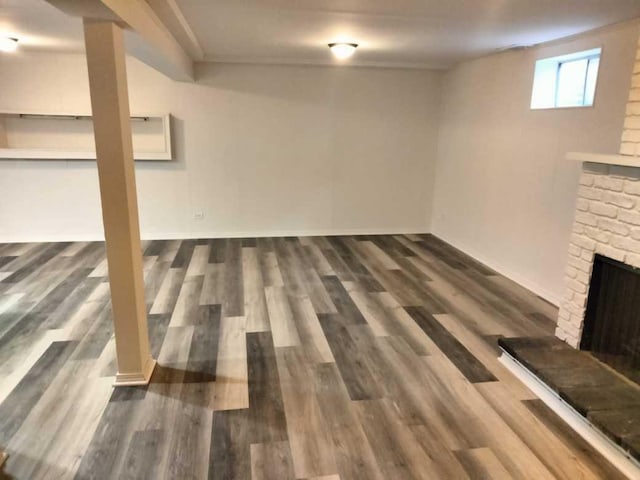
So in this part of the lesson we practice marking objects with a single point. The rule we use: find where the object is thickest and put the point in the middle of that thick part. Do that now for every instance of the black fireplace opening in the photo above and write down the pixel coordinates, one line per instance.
(612, 320)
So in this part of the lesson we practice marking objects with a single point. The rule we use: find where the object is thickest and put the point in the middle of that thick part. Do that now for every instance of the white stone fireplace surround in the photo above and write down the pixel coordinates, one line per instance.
(607, 218)
(607, 221)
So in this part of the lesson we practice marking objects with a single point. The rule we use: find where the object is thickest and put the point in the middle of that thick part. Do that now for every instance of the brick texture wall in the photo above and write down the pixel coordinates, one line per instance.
(631, 135)
(607, 222)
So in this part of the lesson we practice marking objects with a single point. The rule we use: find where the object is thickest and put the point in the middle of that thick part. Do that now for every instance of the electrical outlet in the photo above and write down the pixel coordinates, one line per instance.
(198, 216)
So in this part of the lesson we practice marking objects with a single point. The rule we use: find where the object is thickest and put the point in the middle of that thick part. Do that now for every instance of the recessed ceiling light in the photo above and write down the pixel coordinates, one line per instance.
(343, 50)
(8, 44)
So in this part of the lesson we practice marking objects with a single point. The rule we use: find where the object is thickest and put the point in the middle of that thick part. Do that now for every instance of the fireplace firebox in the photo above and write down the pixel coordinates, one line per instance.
(612, 320)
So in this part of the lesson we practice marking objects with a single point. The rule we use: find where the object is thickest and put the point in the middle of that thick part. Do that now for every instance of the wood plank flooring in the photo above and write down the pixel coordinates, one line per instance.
(368, 357)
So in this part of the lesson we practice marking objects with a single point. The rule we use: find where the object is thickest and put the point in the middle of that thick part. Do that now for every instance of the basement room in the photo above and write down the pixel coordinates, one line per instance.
(319, 240)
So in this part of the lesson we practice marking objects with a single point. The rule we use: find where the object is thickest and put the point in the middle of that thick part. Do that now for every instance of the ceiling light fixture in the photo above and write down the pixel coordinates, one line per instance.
(343, 50)
(8, 44)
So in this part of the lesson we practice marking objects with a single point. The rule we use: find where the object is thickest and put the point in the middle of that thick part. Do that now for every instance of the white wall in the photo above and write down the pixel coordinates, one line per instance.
(504, 192)
(260, 151)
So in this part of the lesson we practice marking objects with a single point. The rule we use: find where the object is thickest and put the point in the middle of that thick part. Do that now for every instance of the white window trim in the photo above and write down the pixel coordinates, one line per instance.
(556, 62)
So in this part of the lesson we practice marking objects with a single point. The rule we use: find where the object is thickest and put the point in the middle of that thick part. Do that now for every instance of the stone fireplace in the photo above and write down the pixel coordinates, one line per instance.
(607, 222)
(607, 217)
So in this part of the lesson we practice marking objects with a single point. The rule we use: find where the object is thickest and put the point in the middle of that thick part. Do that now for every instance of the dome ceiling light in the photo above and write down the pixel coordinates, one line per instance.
(343, 50)
(8, 44)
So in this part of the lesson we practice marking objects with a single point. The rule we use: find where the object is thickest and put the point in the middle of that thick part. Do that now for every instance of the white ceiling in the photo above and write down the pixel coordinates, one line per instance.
(39, 26)
(414, 33)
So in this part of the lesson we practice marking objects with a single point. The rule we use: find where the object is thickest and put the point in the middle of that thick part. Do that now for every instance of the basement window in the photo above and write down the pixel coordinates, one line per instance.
(566, 81)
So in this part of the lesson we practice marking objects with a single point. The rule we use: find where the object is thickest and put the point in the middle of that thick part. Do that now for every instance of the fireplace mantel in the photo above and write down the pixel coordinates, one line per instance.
(621, 160)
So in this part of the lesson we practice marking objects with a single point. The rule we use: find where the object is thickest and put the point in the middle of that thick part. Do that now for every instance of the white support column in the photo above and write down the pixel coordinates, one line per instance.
(110, 105)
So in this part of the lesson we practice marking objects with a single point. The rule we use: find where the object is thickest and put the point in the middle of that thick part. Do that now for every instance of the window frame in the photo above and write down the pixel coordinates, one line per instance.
(556, 63)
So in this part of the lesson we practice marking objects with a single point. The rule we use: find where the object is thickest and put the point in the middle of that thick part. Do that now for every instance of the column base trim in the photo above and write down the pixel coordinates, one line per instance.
(138, 378)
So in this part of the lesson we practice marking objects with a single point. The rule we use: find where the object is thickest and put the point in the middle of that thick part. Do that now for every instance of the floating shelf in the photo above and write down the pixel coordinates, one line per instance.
(69, 136)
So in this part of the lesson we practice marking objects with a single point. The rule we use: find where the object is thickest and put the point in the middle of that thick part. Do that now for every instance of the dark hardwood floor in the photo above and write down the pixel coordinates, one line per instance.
(370, 357)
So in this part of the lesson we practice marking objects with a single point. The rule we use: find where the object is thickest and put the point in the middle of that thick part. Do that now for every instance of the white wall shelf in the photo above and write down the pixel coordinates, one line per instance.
(69, 136)
(621, 160)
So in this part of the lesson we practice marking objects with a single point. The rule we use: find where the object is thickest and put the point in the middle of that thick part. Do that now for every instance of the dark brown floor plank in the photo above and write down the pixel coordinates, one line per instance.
(233, 305)
(351, 363)
(266, 408)
(141, 462)
(462, 358)
(230, 457)
(26, 394)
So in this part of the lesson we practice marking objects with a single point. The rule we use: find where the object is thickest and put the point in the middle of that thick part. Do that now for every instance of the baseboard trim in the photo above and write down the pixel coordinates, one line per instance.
(548, 295)
(222, 234)
(583, 427)
(138, 378)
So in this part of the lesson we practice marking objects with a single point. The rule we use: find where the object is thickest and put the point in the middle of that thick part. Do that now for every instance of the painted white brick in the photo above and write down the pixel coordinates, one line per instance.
(586, 218)
(561, 334)
(568, 296)
(635, 233)
(609, 225)
(608, 183)
(580, 264)
(568, 327)
(619, 199)
(576, 311)
(632, 188)
(573, 341)
(576, 286)
(587, 255)
(628, 148)
(576, 321)
(582, 205)
(631, 136)
(633, 108)
(626, 243)
(632, 218)
(583, 278)
(611, 252)
(632, 122)
(583, 242)
(580, 299)
(632, 259)
(566, 337)
(586, 179)
(597, 235)
(607, 220)
(603, 210)
(575, 250)
(589, 193)
(634, 95)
